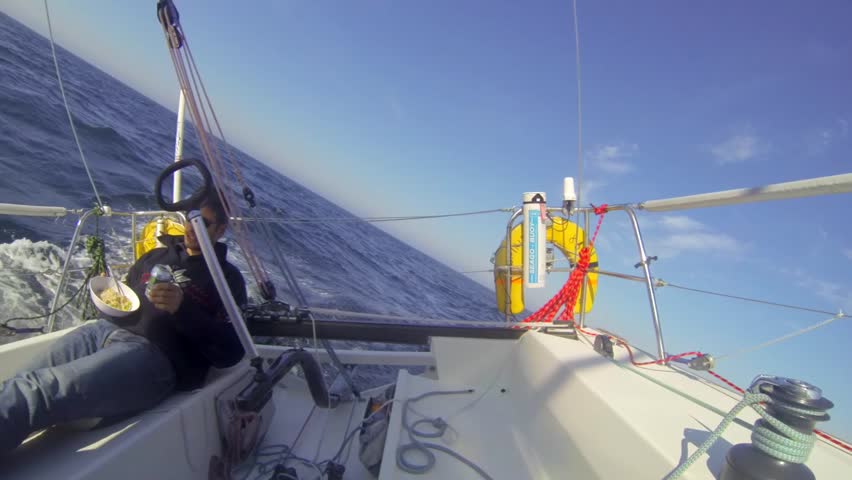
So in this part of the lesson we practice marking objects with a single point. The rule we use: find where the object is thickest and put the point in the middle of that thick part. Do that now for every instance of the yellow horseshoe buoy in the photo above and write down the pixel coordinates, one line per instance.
(568, 238)
(147, 241)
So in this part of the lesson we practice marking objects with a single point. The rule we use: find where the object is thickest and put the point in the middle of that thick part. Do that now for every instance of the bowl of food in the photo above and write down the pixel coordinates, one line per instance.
(113, 298)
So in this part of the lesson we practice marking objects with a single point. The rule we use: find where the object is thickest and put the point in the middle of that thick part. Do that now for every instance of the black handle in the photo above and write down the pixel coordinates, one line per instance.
(194, 201)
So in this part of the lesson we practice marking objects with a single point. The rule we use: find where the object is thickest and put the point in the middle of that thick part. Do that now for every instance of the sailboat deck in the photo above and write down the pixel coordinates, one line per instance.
(76, 452)
(313, 434)
(541, 407)
(174, 440)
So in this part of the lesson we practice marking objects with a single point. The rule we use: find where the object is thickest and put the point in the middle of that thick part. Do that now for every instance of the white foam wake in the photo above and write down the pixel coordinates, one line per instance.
(29, 274)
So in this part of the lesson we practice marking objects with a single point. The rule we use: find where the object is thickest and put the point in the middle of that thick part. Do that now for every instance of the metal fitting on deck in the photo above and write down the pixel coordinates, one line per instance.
(703, 363)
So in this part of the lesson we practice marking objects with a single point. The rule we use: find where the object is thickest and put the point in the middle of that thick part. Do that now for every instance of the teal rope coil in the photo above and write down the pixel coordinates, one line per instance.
(790, 445)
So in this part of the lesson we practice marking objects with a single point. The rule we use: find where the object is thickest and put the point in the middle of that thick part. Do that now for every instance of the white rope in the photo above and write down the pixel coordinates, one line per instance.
(422, 449)
(781, 338)
(67, 108)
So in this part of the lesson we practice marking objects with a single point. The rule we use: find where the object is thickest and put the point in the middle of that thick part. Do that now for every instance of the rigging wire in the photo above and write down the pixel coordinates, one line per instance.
(579, 109)
(182, 59)
(68, 109)
(228, 150)
(187, 78)
(780, 339)
(753, 300)
(370, 219)
(661, 283)
(261, 273)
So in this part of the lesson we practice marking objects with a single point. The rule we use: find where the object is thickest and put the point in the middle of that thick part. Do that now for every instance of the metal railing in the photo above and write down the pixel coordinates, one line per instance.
(81, 222)
(644, 262)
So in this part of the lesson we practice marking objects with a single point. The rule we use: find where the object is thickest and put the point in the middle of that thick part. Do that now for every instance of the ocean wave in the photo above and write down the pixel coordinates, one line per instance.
(99, 133)
(29, 278)
(25, 256)
(128, 139)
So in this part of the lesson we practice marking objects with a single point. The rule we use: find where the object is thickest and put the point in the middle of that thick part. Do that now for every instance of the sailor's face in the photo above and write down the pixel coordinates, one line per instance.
(212, 229)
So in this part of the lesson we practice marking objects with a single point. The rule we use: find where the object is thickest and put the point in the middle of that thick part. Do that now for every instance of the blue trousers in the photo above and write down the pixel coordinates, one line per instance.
(97, 370)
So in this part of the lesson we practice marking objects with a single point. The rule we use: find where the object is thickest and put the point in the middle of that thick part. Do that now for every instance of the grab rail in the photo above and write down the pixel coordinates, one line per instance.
(63, 280)
(644, 262)
(34, 210)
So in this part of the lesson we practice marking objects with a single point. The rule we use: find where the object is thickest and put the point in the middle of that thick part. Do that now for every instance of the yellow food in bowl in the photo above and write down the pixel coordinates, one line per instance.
(116, 300)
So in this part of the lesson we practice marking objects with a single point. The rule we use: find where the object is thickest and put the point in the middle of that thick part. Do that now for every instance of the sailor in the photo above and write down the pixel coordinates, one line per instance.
(114, 368)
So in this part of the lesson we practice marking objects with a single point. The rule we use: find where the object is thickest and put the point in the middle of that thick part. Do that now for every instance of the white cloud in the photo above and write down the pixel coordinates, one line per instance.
(591, 185)
(681, 222)
(613, 158)
(819, 140)
(835, 293)
(739, 148)
(699, 242)
(676, 234)
(839, 295)
(588, 188)
(848, 253)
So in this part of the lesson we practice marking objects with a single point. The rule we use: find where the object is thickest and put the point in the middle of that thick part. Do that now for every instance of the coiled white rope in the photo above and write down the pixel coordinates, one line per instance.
(424, 448)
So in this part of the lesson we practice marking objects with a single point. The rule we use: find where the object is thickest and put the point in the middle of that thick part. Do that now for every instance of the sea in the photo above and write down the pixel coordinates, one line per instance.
(343, 263)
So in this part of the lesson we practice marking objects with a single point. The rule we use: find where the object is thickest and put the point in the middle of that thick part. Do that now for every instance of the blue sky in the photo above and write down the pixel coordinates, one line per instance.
(410, 108)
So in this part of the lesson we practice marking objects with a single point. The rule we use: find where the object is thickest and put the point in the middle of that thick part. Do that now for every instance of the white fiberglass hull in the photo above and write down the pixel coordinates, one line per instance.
(541, 407)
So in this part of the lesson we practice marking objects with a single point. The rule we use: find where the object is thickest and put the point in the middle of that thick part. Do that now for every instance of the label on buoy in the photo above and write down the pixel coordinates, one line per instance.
(535, 239)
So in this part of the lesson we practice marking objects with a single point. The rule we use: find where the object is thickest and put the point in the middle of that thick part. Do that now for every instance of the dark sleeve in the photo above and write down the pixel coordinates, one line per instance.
(213, 334)
(134, 279)
(135, 273)
(237, 284)
(146, 262)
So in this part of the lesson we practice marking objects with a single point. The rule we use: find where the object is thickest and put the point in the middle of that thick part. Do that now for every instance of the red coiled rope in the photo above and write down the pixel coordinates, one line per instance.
(567, 295)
